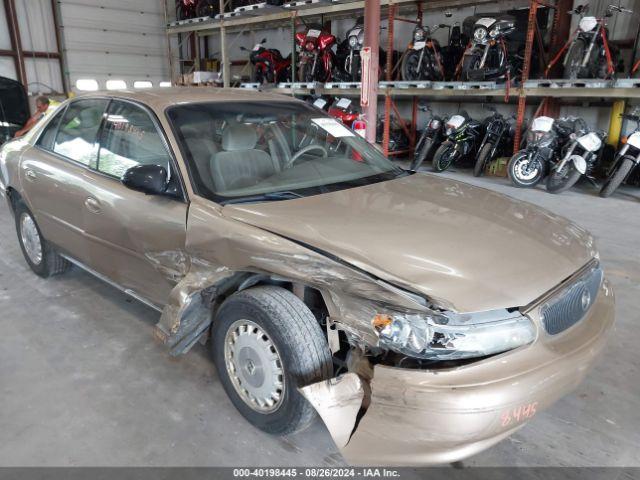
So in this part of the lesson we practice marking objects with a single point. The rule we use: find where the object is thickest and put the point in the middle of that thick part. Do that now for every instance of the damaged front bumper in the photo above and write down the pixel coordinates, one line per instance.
(423, 417)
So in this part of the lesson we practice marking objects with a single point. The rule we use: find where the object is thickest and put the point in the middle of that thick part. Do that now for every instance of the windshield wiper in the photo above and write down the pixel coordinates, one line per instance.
(284, 195)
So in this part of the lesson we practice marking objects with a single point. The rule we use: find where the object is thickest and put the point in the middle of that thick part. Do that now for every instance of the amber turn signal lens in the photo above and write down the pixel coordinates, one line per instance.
(623, 140)
(380, 321)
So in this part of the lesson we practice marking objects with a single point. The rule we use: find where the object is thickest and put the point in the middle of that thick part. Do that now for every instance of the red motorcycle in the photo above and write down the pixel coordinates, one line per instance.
(268, 64)
(186, 9)
(343, 110)
(316, 57)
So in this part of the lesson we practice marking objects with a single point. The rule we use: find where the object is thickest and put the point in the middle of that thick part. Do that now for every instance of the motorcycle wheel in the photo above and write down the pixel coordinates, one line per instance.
(471, 62)
(356, 72)
(304, 72)
(518, 177)
(422, 154)
(573, 68)
(482, 159)
(562, 180)
(615, 180)
(208, 8)
(181, 13)
(409, 66)
(445, 156)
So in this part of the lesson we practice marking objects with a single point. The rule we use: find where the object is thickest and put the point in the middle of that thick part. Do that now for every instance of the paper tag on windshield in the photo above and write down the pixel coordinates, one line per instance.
(313, 33)
(343, 103)
(320, 103)
(257, 47)
(419, 45)
(333, 127)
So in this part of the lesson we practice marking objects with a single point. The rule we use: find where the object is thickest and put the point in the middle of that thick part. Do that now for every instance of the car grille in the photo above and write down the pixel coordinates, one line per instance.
(572, 303)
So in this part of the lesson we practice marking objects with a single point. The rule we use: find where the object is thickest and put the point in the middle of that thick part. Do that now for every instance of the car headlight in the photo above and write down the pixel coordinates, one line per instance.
(446, 336)
(418, 35)
(479, 34)
(353, 41)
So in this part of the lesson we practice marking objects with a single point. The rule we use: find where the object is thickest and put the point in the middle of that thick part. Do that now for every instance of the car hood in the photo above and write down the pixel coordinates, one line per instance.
(468, 248)
(14, 105)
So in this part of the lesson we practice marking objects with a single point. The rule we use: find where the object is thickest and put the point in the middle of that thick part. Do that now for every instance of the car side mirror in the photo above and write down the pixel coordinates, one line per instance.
(149, 179)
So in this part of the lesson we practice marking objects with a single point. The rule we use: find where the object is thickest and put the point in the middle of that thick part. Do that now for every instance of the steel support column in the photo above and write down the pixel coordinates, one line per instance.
(226, 65)
(372, 40)
(16, 43)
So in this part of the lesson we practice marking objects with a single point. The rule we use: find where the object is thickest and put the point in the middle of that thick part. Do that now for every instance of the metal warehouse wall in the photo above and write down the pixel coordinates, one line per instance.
(101, 40)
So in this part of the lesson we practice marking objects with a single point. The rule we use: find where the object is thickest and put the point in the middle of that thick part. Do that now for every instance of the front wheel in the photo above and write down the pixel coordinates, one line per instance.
(525, 171)
(563, 179)
(266, 344)
(482, 159)
(445, 156)
(409, 68)
(615, 180)
(422, 153)
(573, 66)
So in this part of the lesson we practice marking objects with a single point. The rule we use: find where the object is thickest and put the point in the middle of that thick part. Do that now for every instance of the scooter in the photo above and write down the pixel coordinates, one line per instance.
(627, 158)
(579, 157)
(487, 58)
(498, 138)
(462, 141)
(316, 57)
(430, 138)
(588, 52)
(268, 64)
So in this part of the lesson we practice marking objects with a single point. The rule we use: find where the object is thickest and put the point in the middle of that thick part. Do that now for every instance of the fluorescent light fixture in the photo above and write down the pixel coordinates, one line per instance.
(116, 85)
(142, 84)
(87, 84)
(165, 84)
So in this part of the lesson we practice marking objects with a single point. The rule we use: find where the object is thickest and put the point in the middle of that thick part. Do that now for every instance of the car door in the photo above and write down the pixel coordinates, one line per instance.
(137, 240)
(54, 174)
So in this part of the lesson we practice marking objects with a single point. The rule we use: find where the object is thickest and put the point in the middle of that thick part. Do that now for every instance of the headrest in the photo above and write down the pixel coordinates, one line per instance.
(239, 137)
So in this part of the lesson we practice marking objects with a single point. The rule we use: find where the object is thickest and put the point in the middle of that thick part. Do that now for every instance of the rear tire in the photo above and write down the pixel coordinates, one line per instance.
(281, 331)
(444, 157)
(38, 253)
(482, 159)
(615, 180)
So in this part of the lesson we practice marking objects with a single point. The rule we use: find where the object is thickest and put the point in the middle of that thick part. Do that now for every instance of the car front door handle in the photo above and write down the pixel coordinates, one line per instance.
(31, 175)
(92, 205)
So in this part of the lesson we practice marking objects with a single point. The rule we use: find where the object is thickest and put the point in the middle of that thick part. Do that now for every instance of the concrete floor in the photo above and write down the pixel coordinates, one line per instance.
(82, 382)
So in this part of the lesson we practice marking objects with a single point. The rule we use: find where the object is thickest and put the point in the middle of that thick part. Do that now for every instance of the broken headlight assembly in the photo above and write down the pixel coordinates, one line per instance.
(447, 336)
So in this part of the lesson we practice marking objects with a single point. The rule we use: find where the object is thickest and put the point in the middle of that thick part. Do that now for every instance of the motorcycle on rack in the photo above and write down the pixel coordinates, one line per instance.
(348, 61)
(316, 57)
(463, 137)
(545, 137)
(487, 58)
(453, 52)
(627, 158)
(588, 52)
(343, 109)
(579, 155)
(422, 60)
(430, 138)
(268, 64)
(186, 9)
(497, 140)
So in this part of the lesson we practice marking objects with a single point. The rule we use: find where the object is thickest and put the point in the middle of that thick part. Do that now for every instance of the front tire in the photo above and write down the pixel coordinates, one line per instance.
(559, 182)
(615, 180)
(573, 68)
(423, 153)
(38, 253)
(482, 159)
(519, 173)
(445, 156)
(266, 344)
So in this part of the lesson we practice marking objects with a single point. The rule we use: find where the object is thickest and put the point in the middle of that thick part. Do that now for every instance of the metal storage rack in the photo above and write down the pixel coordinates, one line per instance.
(547, 92)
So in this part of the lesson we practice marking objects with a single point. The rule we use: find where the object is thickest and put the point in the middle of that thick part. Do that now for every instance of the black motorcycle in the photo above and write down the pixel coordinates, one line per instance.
(423, 59)
(498, 138)
(578, 157)
(430, 138)
(463, 136)
(545, 138)
(627, 158)
(488, 56)
(453, 52)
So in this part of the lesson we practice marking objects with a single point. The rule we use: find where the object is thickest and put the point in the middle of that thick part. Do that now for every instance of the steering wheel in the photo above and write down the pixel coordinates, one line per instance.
(306, 149)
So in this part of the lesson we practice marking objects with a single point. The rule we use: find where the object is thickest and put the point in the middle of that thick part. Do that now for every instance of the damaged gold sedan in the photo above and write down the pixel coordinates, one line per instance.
(424, 319)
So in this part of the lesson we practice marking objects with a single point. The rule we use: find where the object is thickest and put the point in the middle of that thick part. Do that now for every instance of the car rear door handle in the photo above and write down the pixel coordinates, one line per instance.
(92, 205)
(31, 175)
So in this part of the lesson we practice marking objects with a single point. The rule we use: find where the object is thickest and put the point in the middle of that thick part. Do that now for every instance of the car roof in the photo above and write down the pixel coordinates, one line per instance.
(161, 98)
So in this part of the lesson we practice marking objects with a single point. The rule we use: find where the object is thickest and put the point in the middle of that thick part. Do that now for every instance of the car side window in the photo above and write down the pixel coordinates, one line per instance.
(78, 131)
(49, 133)
(129, 138)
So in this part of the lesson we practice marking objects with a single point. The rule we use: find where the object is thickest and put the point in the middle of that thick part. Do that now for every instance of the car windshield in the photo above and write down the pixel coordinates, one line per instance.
(261, 151)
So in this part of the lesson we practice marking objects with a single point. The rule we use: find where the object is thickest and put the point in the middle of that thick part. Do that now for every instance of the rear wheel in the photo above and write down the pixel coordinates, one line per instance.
(482, 160)
(525, 172)
(615, 180)
(266, 344)
(444, 157)
(38, 253)
(563, 179)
